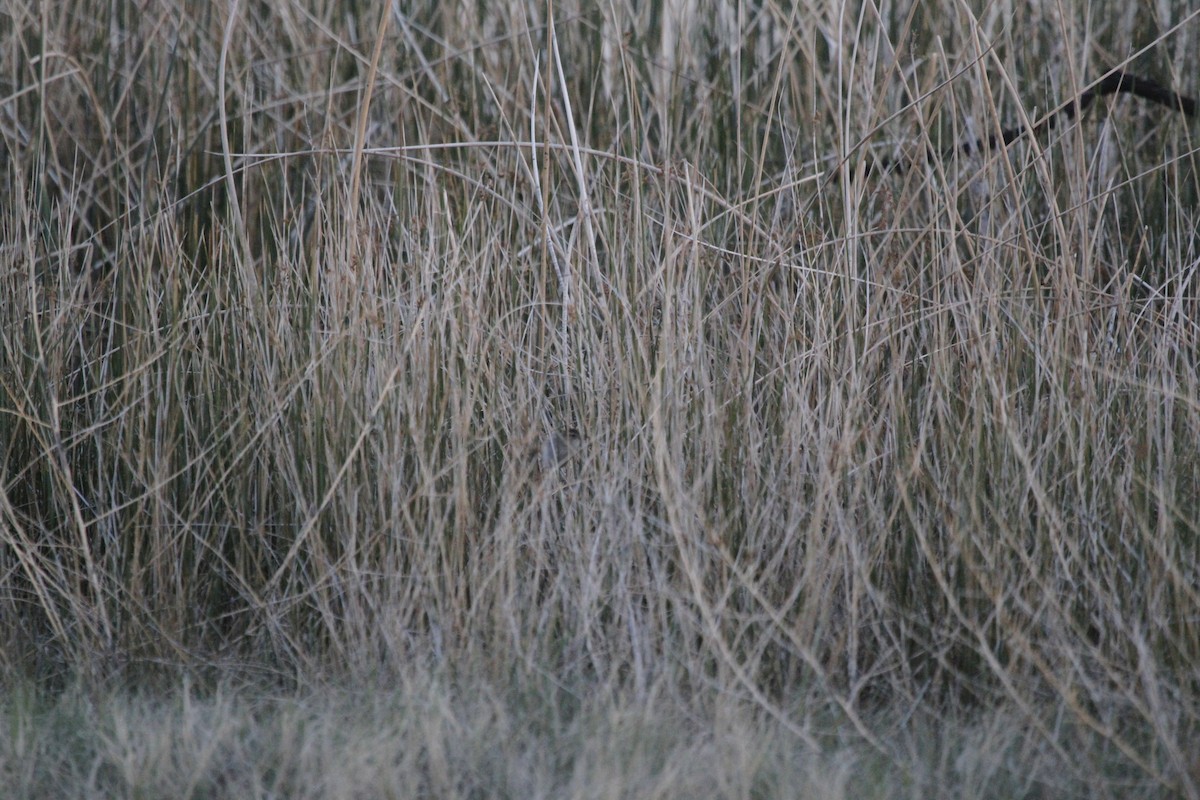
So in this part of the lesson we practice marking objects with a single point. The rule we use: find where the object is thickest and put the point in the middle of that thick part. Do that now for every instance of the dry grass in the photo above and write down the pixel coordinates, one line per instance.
(886, 485)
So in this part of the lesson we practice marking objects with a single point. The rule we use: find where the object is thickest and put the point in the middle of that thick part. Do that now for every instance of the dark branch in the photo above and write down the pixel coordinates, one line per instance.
(1118, 82)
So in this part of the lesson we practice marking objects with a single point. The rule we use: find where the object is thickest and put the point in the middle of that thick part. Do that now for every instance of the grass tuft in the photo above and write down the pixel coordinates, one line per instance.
(882, 484)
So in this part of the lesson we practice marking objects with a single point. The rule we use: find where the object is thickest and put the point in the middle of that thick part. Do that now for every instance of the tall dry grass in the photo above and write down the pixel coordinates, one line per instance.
(906, 464)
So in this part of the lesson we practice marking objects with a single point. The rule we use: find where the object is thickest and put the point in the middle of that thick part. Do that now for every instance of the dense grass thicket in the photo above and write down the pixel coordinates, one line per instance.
(556, 399)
